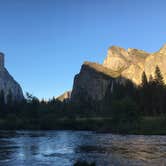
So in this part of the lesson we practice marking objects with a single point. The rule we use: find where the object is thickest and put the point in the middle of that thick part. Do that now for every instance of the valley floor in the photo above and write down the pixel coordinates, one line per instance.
(146, 126)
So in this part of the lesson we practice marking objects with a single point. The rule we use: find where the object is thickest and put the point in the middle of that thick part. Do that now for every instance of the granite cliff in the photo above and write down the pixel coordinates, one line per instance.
(132, 62)
(8, 84)
(119, 65)
(93, 81)
(64, 97)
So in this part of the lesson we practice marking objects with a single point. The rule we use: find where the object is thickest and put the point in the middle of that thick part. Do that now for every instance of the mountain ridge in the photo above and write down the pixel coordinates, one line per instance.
(120, 65)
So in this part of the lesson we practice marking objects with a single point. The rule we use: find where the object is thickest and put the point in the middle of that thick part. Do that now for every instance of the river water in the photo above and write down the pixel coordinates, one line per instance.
(64, 148)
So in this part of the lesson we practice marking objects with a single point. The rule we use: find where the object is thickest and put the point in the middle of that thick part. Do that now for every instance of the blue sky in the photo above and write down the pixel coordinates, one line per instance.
(46, 41)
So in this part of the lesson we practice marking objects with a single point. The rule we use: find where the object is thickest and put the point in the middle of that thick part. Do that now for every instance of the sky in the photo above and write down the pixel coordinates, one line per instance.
(46, 41)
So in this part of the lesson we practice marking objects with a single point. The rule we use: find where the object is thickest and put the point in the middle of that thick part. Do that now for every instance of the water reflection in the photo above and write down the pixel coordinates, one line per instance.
(63, 148)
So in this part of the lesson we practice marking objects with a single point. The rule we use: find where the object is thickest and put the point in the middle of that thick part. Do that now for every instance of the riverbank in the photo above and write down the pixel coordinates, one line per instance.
(146, 125)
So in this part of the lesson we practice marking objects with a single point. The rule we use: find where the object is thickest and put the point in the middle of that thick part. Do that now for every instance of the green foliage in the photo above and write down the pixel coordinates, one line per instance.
(125, 114)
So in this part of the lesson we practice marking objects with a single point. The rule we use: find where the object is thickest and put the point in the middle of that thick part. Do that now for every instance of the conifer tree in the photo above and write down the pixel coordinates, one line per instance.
(151, 80)
(144, 94)
(9, 100)
(9, 97)
(159, 91)
(158, 77)
(144, 80)
(2, 101)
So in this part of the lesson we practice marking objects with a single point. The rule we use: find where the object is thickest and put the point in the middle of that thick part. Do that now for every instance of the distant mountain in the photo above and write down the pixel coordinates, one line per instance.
(94, 80)
(7, 82)
(64, 97)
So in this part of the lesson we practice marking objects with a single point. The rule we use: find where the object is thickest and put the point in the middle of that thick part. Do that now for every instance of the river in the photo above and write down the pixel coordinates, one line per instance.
(64, 148)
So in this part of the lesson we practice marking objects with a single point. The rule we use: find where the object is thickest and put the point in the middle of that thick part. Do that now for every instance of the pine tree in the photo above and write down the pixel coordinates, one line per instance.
(159, 91)
(9, 100)
(9, 97)
(151, 80)
(144, 80)
(144, 94)
(158, 77)
(2, 102)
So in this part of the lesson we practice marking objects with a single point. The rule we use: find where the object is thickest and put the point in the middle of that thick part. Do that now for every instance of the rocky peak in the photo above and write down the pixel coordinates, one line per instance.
(132, 62)
(163, 49)
(65, 97)
(137, 53)
(7, 82)
(116, 51)
(119, 59)
(2, 59)
(116, 59)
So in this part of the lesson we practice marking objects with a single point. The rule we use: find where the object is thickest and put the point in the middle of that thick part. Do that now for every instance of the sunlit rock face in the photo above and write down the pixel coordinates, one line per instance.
(129, 63)
(133, 73)
(8, 84)
(65, 97)
(118, 66)
(136, 61)
(137, 57)
(116, 59)
(162, 49)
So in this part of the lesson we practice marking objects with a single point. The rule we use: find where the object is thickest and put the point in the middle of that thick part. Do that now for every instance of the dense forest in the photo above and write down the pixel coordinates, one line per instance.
(128, 109)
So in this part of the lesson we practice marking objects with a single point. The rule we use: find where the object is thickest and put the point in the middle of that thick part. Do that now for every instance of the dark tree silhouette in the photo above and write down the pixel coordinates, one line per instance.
(2, 102)
(144, 80)
(158, 77)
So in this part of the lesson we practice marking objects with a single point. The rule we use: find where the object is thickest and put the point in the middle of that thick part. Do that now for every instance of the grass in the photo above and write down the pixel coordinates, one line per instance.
(147, 125)
(152, 126)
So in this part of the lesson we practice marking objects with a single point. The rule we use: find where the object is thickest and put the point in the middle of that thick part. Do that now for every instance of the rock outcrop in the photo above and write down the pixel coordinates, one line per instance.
(65, 97)
(135, 62)
(129, 63)
(116, 59)
(120, 64)
(8, 84)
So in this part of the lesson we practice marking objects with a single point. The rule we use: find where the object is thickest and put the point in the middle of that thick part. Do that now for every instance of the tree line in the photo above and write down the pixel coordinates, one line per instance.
(125, 105)
(149, 99)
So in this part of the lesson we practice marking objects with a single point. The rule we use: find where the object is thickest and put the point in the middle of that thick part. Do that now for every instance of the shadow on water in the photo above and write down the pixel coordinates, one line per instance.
(64, 148)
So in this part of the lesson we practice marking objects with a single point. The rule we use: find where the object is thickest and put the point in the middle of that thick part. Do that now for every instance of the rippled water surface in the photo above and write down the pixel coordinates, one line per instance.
(63, 148)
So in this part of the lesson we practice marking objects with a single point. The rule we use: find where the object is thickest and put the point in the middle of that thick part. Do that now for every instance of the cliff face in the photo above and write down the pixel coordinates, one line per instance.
(8, 84)
(93, 80)
(135, 62)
